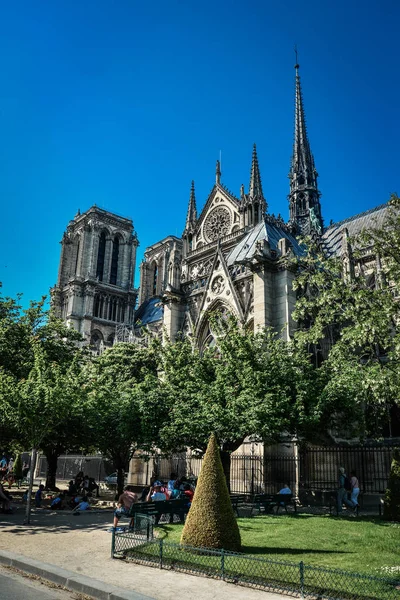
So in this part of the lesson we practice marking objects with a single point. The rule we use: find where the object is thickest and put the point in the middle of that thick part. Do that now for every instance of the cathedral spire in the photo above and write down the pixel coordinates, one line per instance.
(218, 172)
(191, 217)
(305, 209)
(255, 187)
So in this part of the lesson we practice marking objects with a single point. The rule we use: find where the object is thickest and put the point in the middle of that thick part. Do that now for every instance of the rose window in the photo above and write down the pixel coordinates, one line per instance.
(218, 224)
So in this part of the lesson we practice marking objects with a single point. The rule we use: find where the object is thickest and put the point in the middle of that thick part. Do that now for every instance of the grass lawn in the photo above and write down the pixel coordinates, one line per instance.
(362, 545)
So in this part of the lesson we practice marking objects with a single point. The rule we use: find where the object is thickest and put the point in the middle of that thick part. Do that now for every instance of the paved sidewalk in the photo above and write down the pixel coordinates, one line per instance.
(83, 545)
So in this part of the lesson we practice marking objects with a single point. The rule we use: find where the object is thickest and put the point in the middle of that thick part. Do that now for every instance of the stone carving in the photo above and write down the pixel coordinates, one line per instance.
(218, 285)
(217, 224)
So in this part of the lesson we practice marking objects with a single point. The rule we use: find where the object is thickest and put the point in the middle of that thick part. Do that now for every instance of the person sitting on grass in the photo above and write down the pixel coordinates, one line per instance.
(84, 505)
(93, 486)
(58, 502)
(38, 496)
(125, 501)
(72, 489)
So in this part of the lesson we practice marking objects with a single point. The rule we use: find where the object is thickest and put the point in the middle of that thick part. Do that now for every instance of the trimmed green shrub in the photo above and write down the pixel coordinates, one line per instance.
(391, 510)
(211, 522)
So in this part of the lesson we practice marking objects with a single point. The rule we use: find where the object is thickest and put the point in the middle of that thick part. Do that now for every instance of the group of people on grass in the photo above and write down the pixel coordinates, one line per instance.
(176, 488)
(76, 497)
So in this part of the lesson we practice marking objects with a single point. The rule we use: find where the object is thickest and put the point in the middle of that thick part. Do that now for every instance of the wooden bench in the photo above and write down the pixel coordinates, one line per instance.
(269, 501)
(237, 500)
(178, 507)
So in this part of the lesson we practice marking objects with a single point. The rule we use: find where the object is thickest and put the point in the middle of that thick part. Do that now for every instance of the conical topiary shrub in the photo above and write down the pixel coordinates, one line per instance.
(391, 509)
(211, 521)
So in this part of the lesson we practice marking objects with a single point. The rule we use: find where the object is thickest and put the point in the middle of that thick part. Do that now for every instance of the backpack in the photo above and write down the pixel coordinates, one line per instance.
(347, 484)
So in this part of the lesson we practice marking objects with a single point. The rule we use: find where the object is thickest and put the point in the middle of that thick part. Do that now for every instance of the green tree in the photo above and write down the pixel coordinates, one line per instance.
(250, 385)
(125, 406)
(391, 510)
(21, 331)
(211, 521)
(45, 400)
(356, 318)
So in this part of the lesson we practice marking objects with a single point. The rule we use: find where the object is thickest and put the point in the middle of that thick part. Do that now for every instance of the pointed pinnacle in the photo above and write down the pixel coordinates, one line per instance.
(192, 210)
(255, 187)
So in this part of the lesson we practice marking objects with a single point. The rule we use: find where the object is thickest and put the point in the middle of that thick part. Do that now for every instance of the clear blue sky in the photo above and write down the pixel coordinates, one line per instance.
(123, 103)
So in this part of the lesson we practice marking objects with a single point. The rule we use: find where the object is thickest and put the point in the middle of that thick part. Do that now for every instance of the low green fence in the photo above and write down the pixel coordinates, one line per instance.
(261, 573)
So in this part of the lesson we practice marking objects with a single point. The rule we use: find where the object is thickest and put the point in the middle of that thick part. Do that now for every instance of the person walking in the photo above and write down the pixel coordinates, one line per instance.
(344, 487)
(355, 488)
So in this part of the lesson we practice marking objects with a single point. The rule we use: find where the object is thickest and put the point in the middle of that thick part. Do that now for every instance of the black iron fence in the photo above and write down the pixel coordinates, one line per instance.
(69, 465)
(304, 469)
(310, 468)
(251, 571)
(318, 467)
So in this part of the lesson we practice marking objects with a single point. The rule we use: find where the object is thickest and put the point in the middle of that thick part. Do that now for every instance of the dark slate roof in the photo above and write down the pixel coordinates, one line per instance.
(264, 230)
(332, 236)
(149, 311)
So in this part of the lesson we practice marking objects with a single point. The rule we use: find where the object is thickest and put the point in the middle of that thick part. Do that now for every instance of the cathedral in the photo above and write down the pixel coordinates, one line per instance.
(233, 256)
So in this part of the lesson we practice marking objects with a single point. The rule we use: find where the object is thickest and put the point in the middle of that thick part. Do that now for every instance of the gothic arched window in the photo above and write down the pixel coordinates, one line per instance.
(100, 256)
(114, 261)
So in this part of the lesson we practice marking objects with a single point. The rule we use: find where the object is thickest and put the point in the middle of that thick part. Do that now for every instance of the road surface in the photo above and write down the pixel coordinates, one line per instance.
(14, 586)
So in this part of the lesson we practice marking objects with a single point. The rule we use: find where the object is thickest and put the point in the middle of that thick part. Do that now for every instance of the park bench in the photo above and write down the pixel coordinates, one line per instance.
(268, 502)
(178, 507)
(237, 500)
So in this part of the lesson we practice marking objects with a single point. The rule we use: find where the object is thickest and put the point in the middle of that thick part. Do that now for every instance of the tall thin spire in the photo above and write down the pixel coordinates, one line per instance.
(255, 187)
(218, 172)
(305, 208)
(302, 158)
(191, 217)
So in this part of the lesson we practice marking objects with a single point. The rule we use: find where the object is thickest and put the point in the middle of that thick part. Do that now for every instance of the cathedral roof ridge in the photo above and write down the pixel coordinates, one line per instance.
(95, 208)
(365, 213)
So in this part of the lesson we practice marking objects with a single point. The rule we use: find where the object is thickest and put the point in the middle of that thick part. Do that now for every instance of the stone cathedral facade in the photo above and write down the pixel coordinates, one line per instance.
(232, 256)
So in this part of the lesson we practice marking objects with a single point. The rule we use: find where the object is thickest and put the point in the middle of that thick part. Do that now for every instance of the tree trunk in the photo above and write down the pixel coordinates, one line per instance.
(226, 465)
(52, 460)
(30, 487)
(119, 466)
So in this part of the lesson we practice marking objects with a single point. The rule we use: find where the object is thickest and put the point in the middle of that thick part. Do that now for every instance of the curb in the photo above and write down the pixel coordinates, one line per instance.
(69, 579)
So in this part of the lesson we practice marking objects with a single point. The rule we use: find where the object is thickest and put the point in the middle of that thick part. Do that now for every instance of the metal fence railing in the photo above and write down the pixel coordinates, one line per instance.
(309, 468)
(70, 464)
(261, 573)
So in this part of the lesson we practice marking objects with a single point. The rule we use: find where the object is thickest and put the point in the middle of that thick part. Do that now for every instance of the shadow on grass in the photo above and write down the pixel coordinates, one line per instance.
(275, 550)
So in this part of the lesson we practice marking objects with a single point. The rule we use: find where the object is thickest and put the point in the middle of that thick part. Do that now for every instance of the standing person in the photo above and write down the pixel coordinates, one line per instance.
(355, 488)
(343, 483)
(125, 501)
